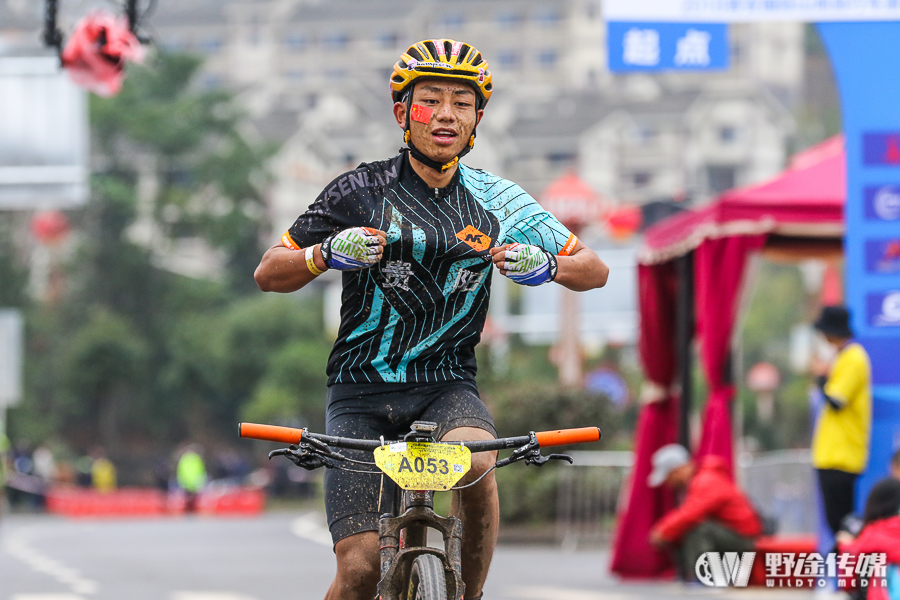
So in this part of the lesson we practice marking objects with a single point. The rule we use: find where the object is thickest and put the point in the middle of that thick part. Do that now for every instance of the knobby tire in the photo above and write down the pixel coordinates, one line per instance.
(427, 580)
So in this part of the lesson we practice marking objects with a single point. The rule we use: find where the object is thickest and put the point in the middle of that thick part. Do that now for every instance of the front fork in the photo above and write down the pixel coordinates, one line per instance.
(415, 517)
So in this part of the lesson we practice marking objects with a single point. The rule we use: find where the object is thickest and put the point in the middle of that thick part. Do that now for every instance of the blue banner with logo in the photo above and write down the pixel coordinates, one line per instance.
(666, 46)
(868, 83)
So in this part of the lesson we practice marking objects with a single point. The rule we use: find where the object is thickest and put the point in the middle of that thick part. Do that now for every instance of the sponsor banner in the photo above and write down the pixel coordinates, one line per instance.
(739, 11)
(881, 149)
(883, 256)
(653, 46)
(883, 309)
(882, 202)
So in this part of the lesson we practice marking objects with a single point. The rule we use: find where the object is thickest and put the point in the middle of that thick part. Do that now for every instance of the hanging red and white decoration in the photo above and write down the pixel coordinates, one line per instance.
(97, 51)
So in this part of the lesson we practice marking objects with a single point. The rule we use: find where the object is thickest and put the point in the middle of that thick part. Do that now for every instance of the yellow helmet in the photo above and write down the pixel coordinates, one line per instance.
(442, 58)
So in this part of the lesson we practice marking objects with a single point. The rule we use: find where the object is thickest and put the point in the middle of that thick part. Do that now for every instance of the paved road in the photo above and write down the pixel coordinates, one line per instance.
(278, 556)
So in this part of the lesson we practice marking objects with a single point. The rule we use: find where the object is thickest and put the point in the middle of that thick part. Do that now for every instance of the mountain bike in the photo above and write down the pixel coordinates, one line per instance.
(420, 466)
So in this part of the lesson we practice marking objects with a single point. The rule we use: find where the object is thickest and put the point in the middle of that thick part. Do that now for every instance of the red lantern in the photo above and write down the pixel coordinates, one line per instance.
(763, 377)
(572, 202)
(96, 53)
(623, 221)
(50, 227)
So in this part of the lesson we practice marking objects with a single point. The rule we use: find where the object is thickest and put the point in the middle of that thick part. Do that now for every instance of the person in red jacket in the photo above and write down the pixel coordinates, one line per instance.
(714, 516)
(880, 535)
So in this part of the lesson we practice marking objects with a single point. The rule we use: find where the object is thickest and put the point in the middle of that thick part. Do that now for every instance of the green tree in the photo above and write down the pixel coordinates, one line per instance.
(777, 304)
(135, 351)
(211, 179)
(13, 274)
(105, 372)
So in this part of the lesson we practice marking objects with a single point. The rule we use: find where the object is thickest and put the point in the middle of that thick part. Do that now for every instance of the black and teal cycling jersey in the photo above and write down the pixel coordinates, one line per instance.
(417, 315)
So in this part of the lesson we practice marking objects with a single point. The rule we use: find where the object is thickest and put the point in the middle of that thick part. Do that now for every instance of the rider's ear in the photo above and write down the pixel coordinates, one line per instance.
(400, 114)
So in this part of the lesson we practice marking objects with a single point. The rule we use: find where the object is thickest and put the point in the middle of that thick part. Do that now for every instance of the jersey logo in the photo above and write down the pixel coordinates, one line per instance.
(479, 241)
(396, 274)
(467, 281)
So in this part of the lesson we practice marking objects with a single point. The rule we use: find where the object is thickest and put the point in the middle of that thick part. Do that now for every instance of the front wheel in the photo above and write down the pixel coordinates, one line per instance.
(426, 579)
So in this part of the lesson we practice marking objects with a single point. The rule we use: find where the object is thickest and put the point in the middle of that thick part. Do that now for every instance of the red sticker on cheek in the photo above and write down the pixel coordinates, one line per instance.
(420, 113)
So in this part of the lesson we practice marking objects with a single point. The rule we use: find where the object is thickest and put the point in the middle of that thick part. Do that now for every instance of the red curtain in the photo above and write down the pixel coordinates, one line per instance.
(719, 266)
(633, 556)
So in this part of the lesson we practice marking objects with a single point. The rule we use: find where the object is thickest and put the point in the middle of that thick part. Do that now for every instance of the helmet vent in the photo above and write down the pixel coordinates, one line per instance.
(477, 60)
(431, 49)
(416, 53)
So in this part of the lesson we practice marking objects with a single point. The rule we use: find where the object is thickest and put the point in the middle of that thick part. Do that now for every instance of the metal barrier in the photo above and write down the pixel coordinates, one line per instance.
(588, 495)
(780, 484)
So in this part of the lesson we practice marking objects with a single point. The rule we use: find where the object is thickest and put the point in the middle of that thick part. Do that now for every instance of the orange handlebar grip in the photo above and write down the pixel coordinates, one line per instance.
(561, 437)
(271, 433)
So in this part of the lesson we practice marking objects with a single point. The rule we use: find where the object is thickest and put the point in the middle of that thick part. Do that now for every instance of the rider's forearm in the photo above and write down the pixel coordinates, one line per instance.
(582, 270)
(284, 269)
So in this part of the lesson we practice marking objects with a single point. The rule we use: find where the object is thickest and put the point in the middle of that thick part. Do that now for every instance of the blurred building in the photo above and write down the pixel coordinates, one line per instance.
(313, 76)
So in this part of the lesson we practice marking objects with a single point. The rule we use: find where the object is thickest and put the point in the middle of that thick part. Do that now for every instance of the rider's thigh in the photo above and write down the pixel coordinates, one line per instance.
(481, 461)
(358, 560)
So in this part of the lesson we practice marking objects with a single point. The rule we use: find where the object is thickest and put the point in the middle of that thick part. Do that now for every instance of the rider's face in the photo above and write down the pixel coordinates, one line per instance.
(452, 122)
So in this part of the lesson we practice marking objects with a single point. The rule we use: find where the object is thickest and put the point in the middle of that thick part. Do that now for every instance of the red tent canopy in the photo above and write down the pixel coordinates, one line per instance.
(700, 290)
(807, 200)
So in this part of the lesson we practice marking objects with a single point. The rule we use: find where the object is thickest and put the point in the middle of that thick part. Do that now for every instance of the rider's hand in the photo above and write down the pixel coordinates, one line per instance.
(353, 249)
(524, 263)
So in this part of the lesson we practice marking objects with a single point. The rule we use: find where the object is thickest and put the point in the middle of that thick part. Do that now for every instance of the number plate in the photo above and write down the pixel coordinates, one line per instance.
(423, 465)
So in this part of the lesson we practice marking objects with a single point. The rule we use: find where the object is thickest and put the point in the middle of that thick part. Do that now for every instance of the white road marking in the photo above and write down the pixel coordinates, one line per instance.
(548, 593)
(17, 545)
(46, 597)
(209, 596)
(555, 593)
(310, 527)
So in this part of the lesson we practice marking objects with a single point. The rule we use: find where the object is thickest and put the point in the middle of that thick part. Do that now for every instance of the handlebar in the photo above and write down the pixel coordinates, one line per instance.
(291, 435)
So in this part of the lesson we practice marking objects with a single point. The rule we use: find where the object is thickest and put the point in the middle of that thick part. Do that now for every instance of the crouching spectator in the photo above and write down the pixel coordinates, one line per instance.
(880, 535)
(714, 515)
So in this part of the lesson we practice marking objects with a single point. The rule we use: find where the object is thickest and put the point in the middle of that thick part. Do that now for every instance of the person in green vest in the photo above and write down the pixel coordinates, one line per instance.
(191, 475)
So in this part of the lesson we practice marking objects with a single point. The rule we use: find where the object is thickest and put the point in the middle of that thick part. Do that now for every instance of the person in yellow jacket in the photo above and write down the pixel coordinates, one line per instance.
(191, 475)
(103, 472)
(840, 448)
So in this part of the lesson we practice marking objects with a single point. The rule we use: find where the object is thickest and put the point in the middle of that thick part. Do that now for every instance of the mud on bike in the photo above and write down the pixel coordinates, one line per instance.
(420, 466)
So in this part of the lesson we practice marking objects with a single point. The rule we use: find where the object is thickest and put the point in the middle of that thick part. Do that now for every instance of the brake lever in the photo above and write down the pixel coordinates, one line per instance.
(301, 458)
(531, 454)
(540, 460)
(309, 454)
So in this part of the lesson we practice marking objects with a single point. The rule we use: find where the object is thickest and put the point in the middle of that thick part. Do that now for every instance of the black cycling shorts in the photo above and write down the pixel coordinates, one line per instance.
(367, 411)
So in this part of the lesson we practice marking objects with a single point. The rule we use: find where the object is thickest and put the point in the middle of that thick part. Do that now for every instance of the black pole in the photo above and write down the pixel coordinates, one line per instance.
(52, 36)
(131, 15)
(684, 335)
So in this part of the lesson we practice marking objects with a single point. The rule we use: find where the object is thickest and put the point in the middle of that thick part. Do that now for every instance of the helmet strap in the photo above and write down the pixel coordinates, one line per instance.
(418, 155)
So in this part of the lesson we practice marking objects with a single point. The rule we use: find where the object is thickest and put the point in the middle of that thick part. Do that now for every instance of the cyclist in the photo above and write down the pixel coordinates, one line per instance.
(414, 237)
